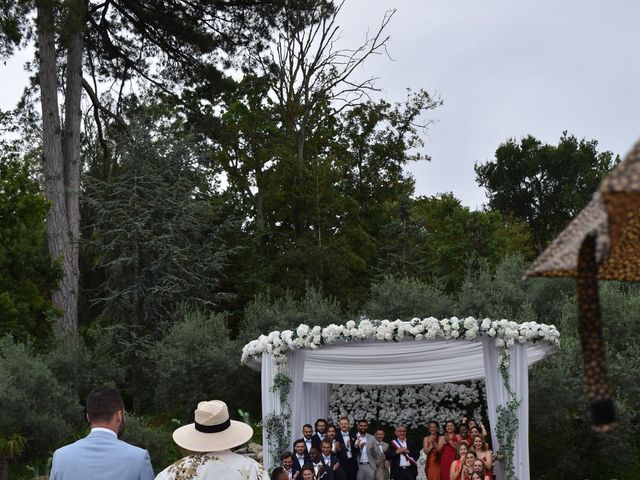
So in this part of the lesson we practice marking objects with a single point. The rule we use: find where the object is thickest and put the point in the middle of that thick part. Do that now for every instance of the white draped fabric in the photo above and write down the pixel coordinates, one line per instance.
(497, 395)
(296, 362)
(316, 400)
(410, 362)
(403, 363)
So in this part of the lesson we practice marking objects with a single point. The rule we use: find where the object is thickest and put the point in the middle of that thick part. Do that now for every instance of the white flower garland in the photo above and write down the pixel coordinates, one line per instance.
(505, 332)
(413, 406)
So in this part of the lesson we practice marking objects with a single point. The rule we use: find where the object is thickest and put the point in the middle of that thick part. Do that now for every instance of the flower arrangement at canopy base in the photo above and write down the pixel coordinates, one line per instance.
(413, 406)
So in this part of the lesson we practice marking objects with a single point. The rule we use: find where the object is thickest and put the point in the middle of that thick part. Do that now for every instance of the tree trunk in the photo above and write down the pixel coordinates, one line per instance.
(61, 153)
(71, 156)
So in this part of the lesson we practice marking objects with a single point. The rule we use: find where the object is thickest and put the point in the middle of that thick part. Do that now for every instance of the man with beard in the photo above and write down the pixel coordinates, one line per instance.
(100, 455)
(321, 433)
(364, 440)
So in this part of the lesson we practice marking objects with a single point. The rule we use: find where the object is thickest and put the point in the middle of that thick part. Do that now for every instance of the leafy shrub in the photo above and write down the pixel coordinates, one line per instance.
(83, 369)
(264, 314)
(156, 441)
(34, 404)
(395, 298)
(196, 360)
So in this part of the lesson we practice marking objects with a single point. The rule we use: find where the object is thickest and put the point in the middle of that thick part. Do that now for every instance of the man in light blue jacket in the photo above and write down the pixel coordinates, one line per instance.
(100, 455)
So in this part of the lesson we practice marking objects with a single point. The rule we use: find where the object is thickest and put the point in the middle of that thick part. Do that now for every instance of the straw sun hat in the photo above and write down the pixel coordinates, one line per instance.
(213, 430)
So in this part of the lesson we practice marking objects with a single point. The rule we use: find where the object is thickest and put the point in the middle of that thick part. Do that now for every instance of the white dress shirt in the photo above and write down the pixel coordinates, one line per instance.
(102, 429)
(347, 442)
(364, 455)
(403, 458)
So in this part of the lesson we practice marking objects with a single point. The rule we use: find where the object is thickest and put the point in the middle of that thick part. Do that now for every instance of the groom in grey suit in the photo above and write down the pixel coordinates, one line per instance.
(378, 454)
(364, 440)
(100, 455)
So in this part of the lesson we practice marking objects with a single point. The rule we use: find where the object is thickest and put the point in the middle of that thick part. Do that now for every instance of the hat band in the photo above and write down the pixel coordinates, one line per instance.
(213, 428)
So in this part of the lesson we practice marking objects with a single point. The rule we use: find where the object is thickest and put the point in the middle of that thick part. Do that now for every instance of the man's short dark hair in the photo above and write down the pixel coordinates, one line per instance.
(307, 425)
(286, 454)
(299, 441)
(103, 403)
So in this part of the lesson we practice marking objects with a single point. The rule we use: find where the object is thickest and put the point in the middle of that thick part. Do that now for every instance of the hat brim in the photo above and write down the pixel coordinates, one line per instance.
(191, 439)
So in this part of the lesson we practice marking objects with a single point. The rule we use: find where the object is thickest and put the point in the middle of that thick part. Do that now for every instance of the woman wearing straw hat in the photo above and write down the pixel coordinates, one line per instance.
(209, 440)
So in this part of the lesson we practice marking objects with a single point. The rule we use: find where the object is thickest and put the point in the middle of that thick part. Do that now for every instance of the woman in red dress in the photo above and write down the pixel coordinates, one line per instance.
(483, 451)
(462, 467)
(449, 449)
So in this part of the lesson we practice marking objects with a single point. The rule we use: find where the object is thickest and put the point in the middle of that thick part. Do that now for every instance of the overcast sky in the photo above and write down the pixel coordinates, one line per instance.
(504, 69)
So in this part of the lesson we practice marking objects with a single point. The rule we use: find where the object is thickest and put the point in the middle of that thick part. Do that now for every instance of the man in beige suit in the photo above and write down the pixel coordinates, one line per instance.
(377, 452)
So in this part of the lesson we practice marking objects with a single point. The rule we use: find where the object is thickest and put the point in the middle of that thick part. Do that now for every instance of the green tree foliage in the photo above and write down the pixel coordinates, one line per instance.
(558, 423)
(320, 223)
(82, 368)
(154, 440)
(264, 314)
(197, 360)
(503, 293)
(34, 404)
(158, 239)
(438, 238)
(27, 274)
(406, 298)
(544, 185)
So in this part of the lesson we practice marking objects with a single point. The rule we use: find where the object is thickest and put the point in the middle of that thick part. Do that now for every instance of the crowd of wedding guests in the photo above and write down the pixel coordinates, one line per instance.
(327, 452)
(324, 452)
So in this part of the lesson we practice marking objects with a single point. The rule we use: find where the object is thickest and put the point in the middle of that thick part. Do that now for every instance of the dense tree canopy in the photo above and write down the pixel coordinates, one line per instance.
(544, 185)
(27, 274)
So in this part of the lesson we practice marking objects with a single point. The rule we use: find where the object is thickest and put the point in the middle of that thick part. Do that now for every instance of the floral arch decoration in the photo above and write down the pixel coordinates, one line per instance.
(299, 366)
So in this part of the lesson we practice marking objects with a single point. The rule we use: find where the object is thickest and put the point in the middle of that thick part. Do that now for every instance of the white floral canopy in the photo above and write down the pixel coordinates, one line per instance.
(420, 351)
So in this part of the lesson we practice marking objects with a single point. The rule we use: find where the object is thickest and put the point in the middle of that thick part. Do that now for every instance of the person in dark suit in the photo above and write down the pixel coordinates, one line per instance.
(331, 461)
(348, 453)
(321, 433)
(320, 469)
(300, 457)
(402, 455)
(286, 461)
(307, 438)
